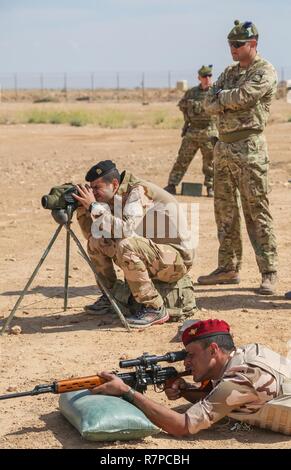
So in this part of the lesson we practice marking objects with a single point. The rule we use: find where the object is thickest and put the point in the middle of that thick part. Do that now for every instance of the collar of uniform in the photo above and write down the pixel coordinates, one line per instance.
(124, 183)
(201, 89)
(227, 365)
(256, 59)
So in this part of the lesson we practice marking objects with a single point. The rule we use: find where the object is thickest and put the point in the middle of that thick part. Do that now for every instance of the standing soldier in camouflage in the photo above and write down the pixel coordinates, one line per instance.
(138, 227)
(241, 100)
(197, 132)
(251, 384)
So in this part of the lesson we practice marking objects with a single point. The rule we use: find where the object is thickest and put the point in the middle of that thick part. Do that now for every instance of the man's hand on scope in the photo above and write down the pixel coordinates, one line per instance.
(113, 385)
(85, 195)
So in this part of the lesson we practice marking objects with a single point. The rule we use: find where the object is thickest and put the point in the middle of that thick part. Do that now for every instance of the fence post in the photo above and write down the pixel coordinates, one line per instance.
(41, 84)
(66, 86)
(117, 85)
(169, 80)
(92, 84)
(169, 84)
(15, 86)
(142, 86)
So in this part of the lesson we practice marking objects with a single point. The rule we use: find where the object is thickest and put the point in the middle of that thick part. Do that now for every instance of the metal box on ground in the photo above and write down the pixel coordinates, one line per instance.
(191, 189)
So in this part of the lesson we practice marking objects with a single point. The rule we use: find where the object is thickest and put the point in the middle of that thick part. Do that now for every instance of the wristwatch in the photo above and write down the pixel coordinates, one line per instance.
(129, 395)
(91, 206)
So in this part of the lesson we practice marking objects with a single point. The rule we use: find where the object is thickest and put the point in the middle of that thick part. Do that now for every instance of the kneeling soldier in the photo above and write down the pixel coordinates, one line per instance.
(139, 227)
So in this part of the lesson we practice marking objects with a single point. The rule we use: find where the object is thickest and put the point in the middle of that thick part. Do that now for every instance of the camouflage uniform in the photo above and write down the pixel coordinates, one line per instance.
(241, 98)
(134, 243)
(201, 127)
(253, 376)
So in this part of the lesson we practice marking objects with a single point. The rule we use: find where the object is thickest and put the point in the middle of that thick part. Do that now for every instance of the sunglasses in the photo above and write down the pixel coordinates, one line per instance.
(208, 75)
(237, 44)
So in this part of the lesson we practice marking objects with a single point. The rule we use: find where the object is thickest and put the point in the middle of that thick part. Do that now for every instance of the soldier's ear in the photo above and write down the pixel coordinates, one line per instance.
(254, 42)
(213, 348)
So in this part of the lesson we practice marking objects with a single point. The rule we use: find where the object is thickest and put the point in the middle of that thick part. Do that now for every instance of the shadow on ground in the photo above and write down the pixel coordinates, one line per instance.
(238, 298)
(69, 438)
(66, 434)
(57, 291)
(60, 321)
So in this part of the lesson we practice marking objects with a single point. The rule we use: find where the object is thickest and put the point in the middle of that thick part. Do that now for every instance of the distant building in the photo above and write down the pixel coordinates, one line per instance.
(182, 85)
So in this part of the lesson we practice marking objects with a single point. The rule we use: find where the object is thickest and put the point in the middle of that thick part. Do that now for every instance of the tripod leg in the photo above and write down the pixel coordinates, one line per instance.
(67, 270)
(105, 290)
(46, 252)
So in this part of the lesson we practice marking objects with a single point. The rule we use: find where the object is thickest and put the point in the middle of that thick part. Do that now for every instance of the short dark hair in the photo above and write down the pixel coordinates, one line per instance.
(111, 175)
(225, 342)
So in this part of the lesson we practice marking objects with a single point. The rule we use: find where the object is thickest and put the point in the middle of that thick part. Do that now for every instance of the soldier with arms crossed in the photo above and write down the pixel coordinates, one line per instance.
(241, 100)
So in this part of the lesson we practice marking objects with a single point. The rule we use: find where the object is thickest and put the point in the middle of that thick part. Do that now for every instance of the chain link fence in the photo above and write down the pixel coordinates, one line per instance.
(101, 84)
(14, 85)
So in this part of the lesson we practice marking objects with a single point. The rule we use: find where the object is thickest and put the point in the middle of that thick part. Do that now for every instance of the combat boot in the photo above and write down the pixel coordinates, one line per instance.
(210, 192)
(102, 306)
(220, 276)
(148, 316)
(171, 188)
(268, 283)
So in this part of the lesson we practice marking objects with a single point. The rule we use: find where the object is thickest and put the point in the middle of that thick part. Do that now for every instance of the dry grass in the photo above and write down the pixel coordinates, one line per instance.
(105, 117)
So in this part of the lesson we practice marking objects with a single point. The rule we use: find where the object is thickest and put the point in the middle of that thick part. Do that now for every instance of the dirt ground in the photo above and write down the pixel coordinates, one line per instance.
(56, 345)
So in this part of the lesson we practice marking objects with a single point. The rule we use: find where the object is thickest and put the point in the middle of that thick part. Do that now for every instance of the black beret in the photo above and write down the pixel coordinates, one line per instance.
(99, 170)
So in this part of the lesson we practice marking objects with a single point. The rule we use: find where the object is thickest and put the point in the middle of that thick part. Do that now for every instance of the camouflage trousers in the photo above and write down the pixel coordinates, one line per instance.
(241, 175)
(191, 143)
(141, 260)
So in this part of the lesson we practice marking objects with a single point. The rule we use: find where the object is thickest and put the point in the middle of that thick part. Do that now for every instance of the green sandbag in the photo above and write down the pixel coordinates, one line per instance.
(105, 418)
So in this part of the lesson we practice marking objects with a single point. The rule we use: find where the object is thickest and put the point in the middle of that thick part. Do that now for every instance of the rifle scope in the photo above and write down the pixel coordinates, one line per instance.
(146, 359)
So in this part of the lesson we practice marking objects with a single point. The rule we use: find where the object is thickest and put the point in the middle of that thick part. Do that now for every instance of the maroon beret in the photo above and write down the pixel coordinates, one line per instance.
(205, 329)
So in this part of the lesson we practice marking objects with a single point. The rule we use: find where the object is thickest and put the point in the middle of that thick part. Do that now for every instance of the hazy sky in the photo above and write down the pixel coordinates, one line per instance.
(77, 36)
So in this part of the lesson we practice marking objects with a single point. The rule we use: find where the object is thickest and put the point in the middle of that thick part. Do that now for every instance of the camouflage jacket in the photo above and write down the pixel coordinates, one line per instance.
(243, 387)
(241, 98)
(140, 208)
(192, 108)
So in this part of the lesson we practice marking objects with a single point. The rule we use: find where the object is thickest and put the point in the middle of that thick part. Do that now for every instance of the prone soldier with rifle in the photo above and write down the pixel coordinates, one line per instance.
(251, 383)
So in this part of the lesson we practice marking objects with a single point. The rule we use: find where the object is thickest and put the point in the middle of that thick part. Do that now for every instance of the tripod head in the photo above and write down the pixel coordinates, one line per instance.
(63, 216)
